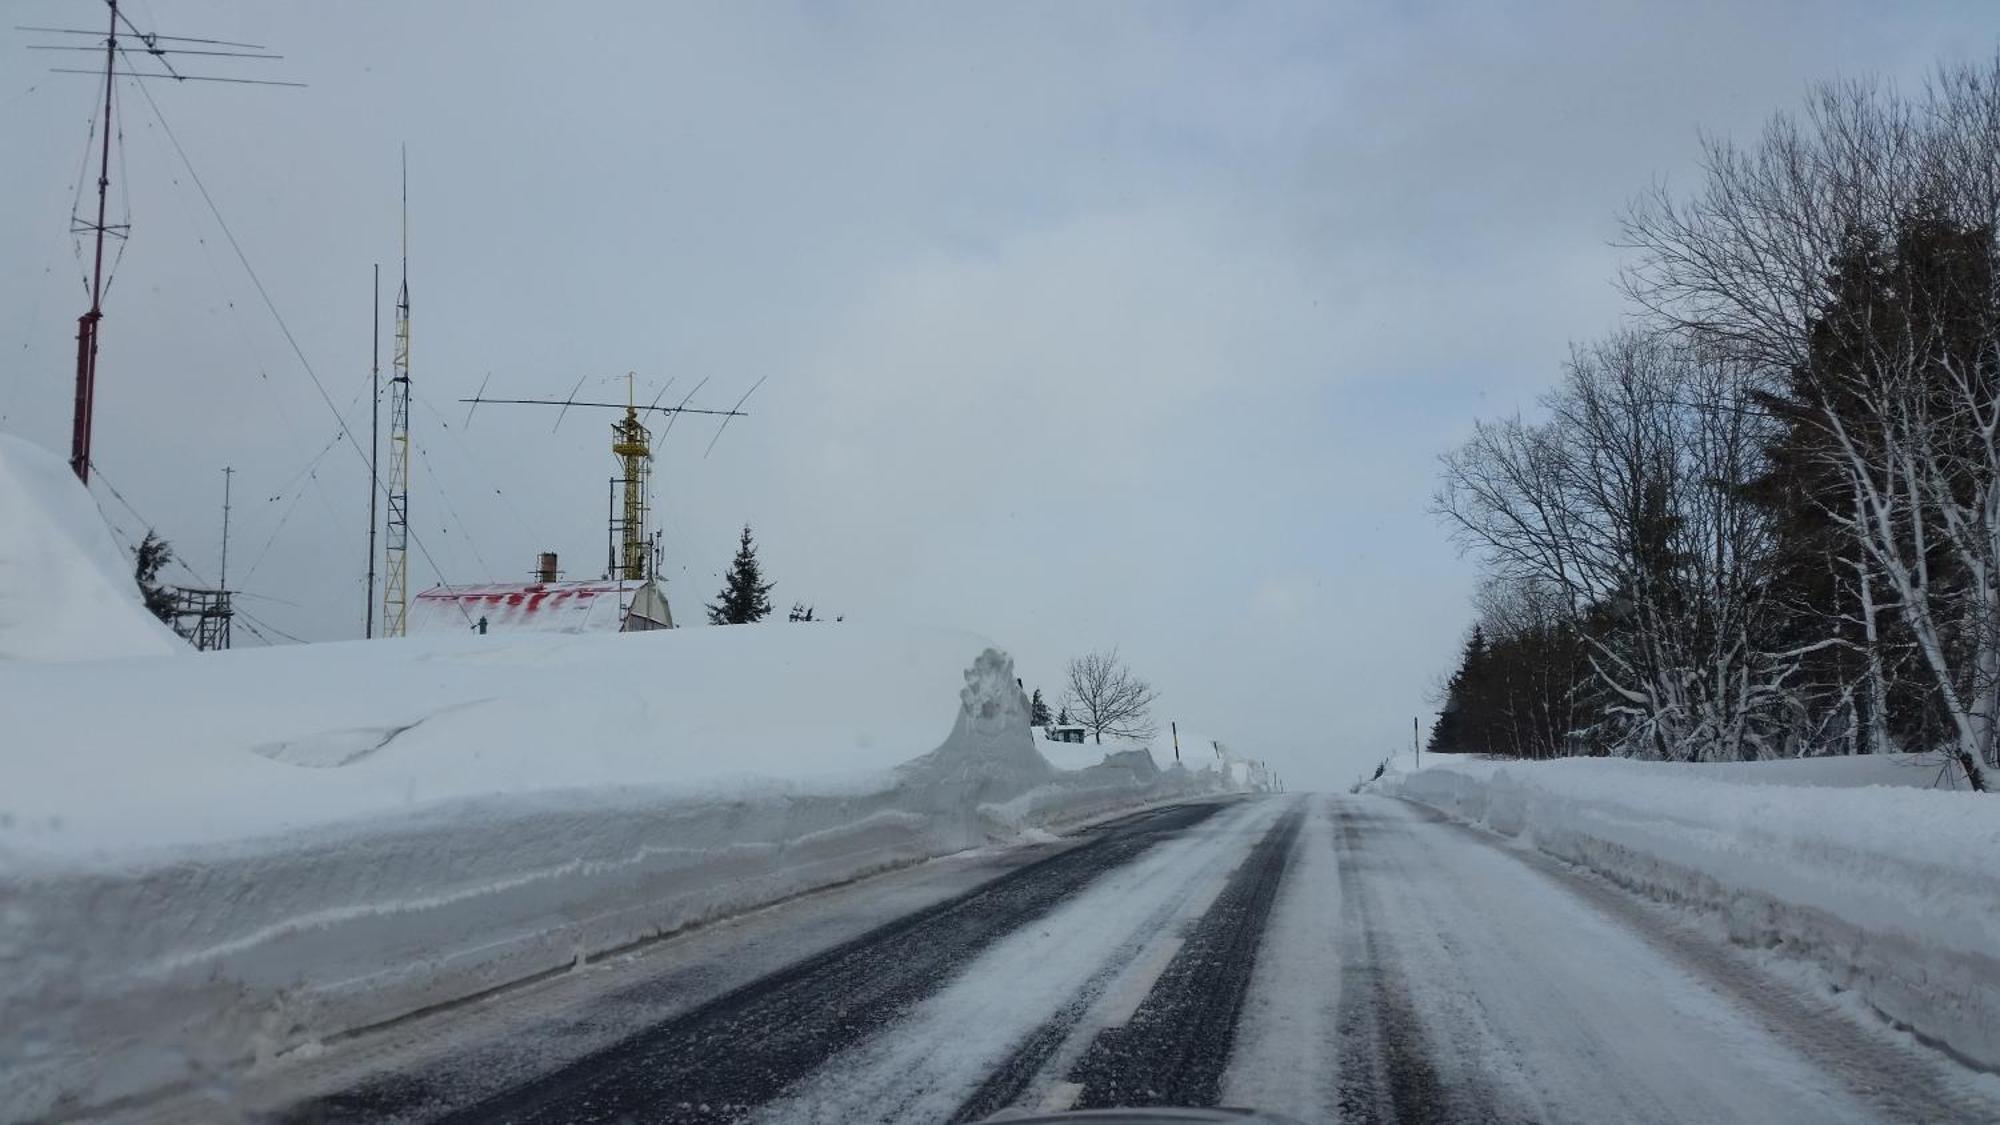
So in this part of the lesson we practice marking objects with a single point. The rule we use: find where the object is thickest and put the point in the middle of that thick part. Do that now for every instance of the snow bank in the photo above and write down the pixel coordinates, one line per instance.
(254, 850)
(66, 587)
(1892, 889)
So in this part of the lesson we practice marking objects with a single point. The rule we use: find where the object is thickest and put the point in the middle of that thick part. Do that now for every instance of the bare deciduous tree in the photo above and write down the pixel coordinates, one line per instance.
(1106, 698)
(1852, 255)
(1625, 501)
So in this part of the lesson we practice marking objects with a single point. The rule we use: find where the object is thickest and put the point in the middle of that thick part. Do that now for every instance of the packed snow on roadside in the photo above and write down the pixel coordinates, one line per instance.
(66, 587)
(256, 849)
(210, 858)
(1163, 750)
(1857, 865)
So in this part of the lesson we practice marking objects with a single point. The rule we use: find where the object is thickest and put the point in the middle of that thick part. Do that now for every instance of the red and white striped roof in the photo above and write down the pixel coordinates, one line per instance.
(531, 607)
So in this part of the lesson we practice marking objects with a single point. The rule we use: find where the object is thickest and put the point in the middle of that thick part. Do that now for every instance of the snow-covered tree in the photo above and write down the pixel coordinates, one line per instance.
(1623, 509)
(152, 555)
(1850, 254)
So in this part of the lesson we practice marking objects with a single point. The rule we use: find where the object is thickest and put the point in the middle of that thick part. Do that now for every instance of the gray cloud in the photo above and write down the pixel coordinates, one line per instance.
(1084, 324)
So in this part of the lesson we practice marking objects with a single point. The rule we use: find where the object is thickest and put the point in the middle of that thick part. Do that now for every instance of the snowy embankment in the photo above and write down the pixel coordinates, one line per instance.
(208, 858)
(1853, 864)
(223, 856)
(66, 589)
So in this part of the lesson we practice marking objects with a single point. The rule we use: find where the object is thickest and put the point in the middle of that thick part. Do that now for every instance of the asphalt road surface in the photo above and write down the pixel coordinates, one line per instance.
(1331, 958)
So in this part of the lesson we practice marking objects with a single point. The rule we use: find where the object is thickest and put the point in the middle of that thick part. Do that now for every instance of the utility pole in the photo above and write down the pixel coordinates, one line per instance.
(1175, 728)
(1415, 748)
(374, 438)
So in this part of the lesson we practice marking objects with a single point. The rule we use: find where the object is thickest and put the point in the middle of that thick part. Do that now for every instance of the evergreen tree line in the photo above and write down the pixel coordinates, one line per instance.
(1764, 519)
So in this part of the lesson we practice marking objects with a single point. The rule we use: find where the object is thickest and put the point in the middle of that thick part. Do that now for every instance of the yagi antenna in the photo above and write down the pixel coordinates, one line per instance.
(119, 39)
(632, 552)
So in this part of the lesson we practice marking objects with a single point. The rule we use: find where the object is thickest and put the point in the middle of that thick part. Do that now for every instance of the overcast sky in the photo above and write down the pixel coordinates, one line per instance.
(1083, 324)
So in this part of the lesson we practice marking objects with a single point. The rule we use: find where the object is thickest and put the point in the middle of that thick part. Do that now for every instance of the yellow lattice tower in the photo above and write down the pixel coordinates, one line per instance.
(633, 447)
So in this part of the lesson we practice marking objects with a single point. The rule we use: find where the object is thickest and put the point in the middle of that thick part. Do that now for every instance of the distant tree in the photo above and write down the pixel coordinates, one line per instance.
(1109, 699)
(154, 553)
(1062, 716)
(801, 612)
(745, 596)
(1038, 710)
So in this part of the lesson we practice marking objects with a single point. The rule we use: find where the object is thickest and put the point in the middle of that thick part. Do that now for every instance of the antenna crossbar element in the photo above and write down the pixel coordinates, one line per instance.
(605, 405)
(184, 77)
(159, 51)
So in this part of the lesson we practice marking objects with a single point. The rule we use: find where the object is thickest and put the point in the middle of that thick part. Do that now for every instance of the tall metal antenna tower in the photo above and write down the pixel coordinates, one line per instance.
(374, 439)
(631, 550)
(633, 446)
(396, 569)
(115, 48)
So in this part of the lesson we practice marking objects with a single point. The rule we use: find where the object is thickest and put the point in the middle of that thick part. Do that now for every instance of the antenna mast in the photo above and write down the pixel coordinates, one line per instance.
(396, 572)
(222, 579)
(156, 48)
(374, 438)
(86, 325)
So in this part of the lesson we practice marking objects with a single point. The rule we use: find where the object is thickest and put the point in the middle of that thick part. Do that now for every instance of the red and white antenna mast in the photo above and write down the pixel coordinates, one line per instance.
(149, 44)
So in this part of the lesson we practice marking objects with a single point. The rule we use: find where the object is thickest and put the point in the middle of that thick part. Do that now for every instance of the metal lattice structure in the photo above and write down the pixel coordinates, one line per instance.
(396, 529)
(203, 617)
(631, 548)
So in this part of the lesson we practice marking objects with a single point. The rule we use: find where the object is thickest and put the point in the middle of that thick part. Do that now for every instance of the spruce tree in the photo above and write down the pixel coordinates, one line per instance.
(1038, 710)
(152, 554)
(1458, 727)
(745, 596)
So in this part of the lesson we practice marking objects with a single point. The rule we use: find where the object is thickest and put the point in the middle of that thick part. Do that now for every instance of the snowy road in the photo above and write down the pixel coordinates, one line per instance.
(1333, 958)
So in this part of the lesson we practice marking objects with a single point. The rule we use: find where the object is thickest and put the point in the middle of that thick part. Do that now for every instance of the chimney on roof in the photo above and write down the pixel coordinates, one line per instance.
(545, 567)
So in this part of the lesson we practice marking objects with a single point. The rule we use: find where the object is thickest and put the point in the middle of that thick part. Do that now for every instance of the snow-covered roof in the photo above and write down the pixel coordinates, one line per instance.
(523, 607)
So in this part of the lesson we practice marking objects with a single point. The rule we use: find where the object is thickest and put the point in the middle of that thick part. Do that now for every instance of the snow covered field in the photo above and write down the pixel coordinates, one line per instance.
(207, 858)
(1854, 865)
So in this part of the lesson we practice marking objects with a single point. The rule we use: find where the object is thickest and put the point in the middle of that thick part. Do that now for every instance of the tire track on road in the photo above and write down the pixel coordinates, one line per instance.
(746, 1046)
(1385, 1069)
(1173, 1050)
